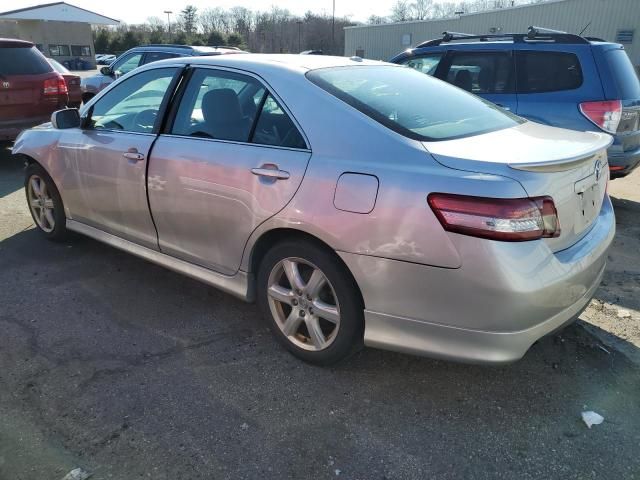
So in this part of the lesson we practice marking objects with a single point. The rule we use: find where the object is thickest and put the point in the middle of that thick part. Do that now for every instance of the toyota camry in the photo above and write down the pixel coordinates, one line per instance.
(357, 202)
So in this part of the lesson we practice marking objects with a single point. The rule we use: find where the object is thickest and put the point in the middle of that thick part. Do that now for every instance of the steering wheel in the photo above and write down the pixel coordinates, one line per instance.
(145, 120)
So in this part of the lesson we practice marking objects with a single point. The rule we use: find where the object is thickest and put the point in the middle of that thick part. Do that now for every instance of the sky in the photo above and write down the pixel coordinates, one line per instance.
(137, 11)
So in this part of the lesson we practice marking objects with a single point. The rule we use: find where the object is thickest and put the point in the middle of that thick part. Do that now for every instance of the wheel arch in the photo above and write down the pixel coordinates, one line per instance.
(272, 237)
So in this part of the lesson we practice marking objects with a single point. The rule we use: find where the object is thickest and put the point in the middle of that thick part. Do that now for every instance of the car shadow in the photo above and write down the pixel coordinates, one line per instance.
(11, 171)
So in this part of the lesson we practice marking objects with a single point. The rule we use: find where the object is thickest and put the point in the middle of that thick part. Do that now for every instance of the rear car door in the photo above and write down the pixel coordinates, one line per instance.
(231, 158)
(489, 74)
(109, 156)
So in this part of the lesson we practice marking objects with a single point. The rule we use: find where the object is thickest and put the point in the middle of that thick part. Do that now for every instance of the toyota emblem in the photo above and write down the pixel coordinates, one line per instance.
(598, 170)
(6, 84)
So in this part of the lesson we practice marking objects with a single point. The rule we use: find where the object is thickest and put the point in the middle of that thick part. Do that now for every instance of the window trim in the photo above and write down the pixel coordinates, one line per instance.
(162, 110)
(175, 103)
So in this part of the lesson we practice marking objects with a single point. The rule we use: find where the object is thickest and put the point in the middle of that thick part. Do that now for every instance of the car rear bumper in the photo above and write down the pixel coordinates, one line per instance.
(9, 130)
(622, 164)
(492, 309)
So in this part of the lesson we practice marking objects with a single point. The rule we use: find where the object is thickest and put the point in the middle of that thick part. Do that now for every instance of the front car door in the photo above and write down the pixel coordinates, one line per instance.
(231, 158)
(109, 157)
(489, 74)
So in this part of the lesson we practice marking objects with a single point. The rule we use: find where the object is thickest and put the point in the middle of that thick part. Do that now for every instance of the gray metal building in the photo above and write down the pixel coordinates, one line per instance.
(612, 20)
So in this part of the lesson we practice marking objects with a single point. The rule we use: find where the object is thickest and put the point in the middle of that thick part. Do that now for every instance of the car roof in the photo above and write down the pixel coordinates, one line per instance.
(185, 49)
(14, 42)
(298, 62)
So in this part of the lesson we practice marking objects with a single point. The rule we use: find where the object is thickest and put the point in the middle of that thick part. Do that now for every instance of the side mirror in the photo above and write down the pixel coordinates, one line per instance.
(106, 71)
(67, 118)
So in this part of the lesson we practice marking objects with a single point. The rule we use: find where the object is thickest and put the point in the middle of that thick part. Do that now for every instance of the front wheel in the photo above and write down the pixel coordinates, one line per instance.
(311, 302)
(45, 203)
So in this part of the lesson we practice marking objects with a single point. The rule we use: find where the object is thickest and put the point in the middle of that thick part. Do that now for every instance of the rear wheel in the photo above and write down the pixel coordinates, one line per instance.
(311, 302)
(45, 203)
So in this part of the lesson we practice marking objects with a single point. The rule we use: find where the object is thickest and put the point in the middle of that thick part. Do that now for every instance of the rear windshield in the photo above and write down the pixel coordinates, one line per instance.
(22, 61)
(412, 104)
(624, 74)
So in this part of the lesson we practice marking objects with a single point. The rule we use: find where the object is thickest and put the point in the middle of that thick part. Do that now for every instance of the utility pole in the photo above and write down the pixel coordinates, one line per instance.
(299, 22)
(168, 12)
(333, 29)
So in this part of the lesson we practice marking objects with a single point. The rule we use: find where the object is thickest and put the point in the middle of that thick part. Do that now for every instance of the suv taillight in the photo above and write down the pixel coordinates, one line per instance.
(605, 114)
(505, 219)
(55, 86)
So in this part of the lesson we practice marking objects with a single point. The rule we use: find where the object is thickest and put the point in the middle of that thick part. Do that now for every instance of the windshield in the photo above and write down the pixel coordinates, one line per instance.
(411, 103)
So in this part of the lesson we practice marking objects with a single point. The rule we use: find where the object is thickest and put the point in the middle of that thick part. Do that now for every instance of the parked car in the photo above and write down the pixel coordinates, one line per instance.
(141, 56)
(30, 89)
(546, 76)
(433, 224)
(73, 83)
(105, 59)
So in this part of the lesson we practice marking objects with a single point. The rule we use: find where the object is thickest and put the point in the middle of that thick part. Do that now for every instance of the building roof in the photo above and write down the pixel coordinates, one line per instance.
(58, 12)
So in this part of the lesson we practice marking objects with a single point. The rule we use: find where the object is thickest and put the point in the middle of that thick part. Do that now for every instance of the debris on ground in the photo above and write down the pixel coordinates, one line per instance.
(77, 474)
(592, 418)
(244, 426)
(624, 313)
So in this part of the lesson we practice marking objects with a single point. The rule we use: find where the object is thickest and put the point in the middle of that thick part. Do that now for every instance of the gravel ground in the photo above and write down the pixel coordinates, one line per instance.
(130, 371)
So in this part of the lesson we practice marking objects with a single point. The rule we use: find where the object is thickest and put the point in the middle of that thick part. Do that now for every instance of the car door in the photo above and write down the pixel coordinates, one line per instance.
(489, 74)
(231, 158)
(108, 157)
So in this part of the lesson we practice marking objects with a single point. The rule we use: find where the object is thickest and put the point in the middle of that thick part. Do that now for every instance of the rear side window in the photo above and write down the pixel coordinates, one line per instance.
(478, 73)
(274, 127)
(387, 94)
(540, 72)
(23, 61)
(424, 63)
(624, 74)
(155, 56)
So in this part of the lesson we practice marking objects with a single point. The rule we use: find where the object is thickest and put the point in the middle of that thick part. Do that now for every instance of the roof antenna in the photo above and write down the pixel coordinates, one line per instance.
(584, 29)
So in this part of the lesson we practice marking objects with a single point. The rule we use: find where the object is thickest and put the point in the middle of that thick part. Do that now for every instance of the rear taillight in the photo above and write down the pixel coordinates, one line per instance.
(505, 219)
(605, 115)
(55, 86)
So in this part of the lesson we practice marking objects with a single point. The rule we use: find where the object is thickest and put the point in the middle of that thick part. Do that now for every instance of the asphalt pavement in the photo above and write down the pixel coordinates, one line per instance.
(128, 370)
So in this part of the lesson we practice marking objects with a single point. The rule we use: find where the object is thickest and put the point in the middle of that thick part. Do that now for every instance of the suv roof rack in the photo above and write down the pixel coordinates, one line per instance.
(534, 34)
(171, 45)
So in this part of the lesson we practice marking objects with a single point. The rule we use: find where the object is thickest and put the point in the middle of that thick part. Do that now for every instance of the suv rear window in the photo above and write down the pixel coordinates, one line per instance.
(22, 61)
(548, 72)
(411, 103)
(624, 74)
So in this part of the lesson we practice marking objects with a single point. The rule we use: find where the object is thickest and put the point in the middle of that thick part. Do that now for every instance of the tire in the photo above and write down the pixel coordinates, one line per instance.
(309, 304)
(51, 223)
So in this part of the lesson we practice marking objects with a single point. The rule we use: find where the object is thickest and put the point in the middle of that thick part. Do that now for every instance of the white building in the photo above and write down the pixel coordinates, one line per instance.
(59, 30)
(611, 20)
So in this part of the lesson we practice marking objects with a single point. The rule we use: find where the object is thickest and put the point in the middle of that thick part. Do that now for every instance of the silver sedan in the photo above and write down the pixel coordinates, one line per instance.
(357, 202)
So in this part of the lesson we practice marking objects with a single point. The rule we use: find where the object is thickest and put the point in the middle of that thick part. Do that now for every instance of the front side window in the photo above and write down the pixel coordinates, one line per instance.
(540, 72)
(389, 95)
(127, 64)
(480, 73)
(424, 64)
(134, 104)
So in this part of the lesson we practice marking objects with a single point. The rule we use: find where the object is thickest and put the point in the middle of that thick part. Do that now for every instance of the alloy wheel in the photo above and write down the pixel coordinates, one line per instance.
(41, 203)
(303, 304)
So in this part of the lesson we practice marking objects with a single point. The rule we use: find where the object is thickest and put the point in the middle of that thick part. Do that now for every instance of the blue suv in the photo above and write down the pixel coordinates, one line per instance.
(546, 76)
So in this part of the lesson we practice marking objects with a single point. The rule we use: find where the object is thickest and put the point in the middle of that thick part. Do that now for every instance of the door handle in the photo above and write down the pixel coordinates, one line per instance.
(135, 156)
(271, 173)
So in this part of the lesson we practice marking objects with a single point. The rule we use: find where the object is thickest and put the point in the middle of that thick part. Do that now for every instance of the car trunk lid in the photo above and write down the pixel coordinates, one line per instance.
(569, 166)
